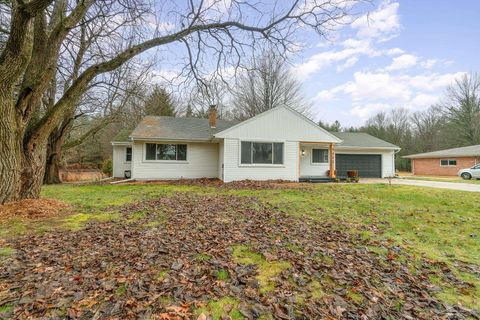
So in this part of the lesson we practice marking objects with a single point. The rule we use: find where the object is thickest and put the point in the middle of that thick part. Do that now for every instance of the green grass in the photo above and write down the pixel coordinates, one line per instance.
(440, 179)
(441, 225)
(218, 308)
(267, 270)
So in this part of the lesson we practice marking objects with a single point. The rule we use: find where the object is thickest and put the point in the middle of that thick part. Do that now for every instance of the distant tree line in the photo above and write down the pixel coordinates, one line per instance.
(455, 122)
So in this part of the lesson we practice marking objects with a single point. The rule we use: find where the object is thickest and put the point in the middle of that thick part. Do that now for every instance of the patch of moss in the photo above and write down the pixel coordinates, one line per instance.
(6, 308)
(6, 252)
(222, 275)
(294, 247)
(78, 221)
(202, 257)
(218, 308)
(316, 290)
(266, 271)
(161, 275)
(323, 259)
(355, 297)
(378, 250)
(121, 290)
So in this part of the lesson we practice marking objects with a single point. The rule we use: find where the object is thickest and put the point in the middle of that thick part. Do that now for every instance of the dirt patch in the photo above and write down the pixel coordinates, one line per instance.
(183, 256)
(243, 184)
(31, 209)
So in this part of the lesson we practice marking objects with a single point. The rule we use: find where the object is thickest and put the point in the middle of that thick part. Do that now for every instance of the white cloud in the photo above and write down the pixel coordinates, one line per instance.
(429, 63)
(404, 61)
(352, 49)
(368, 110)
(432, 81)
(423, 101)
(348, 64)
(374, 86)
(382, 24)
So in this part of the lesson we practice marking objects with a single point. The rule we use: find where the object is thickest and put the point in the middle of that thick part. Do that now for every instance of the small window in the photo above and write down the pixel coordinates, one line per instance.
(476, 167)
(128, 154)
(261, 152)
(448, 162)
(172, 152)
(319, 156)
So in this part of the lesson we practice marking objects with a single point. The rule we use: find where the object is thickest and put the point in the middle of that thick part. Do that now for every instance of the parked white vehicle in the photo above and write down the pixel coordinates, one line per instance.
(473, 172)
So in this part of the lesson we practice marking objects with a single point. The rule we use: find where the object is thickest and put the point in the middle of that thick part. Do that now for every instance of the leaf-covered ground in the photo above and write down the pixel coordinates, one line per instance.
(166, 252)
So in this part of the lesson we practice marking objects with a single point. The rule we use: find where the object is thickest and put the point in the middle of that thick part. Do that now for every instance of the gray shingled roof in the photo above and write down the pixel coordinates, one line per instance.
(171, 128)
(470, 151)
(362, 140)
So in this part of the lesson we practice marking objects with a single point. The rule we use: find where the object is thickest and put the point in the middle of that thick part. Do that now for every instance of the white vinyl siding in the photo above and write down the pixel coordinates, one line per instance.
(119, 160)
(202, 162)
(279, 124)
(308, 167)
(234, 170)
(388, 158)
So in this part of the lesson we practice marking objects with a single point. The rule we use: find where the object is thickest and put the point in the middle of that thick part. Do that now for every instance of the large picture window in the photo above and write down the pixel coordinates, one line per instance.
(319, 156)
(261, 152)
(173, 152)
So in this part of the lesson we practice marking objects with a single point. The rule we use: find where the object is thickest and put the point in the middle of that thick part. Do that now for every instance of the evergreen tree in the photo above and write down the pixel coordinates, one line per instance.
(159, 103)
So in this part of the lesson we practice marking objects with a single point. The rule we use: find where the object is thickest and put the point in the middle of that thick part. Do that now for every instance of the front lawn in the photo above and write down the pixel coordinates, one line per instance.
(314, 251)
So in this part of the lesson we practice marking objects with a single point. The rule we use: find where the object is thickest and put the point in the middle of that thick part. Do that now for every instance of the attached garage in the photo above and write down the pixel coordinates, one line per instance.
(368, 165)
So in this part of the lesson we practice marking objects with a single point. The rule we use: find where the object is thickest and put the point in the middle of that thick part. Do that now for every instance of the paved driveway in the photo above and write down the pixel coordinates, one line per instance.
(432, 184)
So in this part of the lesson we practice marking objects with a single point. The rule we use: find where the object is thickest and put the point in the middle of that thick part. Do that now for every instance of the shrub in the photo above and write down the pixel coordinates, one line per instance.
(107, 167)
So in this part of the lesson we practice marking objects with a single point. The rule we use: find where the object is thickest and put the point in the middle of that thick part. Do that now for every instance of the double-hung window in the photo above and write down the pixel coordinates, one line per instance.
(319, 156)
(448, 162)
(261, 152)
(128, 154)
(172, 152)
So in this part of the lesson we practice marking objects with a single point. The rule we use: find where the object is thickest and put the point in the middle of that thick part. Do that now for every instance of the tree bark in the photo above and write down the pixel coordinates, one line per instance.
(10, 145)
(54, 156)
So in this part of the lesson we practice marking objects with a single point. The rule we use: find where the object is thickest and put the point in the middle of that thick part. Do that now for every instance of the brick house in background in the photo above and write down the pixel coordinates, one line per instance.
(444, 162)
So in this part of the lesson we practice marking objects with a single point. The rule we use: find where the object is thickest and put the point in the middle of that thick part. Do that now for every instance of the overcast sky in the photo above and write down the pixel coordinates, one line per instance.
(404, 55)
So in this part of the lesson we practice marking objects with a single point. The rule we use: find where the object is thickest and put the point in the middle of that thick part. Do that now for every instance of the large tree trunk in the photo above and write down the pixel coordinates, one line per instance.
(54, 156)
(11, 158)
(33, 170)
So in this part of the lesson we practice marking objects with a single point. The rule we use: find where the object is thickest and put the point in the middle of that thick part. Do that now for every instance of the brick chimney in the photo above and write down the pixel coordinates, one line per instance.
(212, 116)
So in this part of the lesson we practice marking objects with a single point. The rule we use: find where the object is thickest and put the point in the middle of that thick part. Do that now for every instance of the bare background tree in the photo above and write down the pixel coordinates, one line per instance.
(207, 35)
(268, 83)
(453, 123)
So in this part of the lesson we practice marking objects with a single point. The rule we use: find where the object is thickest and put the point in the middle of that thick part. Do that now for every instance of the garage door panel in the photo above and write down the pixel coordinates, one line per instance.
(368, 165)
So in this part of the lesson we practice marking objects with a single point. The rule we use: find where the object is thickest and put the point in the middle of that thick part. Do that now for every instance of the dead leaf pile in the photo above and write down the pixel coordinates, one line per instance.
(165, 264)
(32, 209)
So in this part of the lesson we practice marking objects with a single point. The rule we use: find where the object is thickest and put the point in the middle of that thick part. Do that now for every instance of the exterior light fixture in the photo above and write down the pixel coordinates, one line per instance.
(303, 152)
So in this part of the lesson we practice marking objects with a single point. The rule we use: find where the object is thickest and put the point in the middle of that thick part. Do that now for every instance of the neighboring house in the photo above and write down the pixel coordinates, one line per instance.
(444, 162)
(277, 144)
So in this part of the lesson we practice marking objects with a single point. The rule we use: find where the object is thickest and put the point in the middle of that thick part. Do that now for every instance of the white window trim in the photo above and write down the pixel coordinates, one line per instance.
(448, 163)
(144, 158)
(320, 163)
(260, 165)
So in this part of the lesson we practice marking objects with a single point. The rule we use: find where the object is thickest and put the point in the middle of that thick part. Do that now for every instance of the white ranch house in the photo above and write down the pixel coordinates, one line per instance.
(277, 144)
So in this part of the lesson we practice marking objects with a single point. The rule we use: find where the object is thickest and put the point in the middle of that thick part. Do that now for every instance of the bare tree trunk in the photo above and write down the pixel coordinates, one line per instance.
(10, 149)
(54, 156)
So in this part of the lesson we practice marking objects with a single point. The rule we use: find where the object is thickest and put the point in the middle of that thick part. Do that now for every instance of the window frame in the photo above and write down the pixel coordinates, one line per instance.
(448, 163)
(252, 164)
(126, 154)
(163, 160)
(320, 163)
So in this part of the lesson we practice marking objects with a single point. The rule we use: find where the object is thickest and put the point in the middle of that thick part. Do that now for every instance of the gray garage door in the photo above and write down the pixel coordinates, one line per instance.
(368, 165)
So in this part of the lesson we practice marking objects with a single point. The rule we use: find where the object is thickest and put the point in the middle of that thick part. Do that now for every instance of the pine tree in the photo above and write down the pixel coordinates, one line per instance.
(159, 103)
